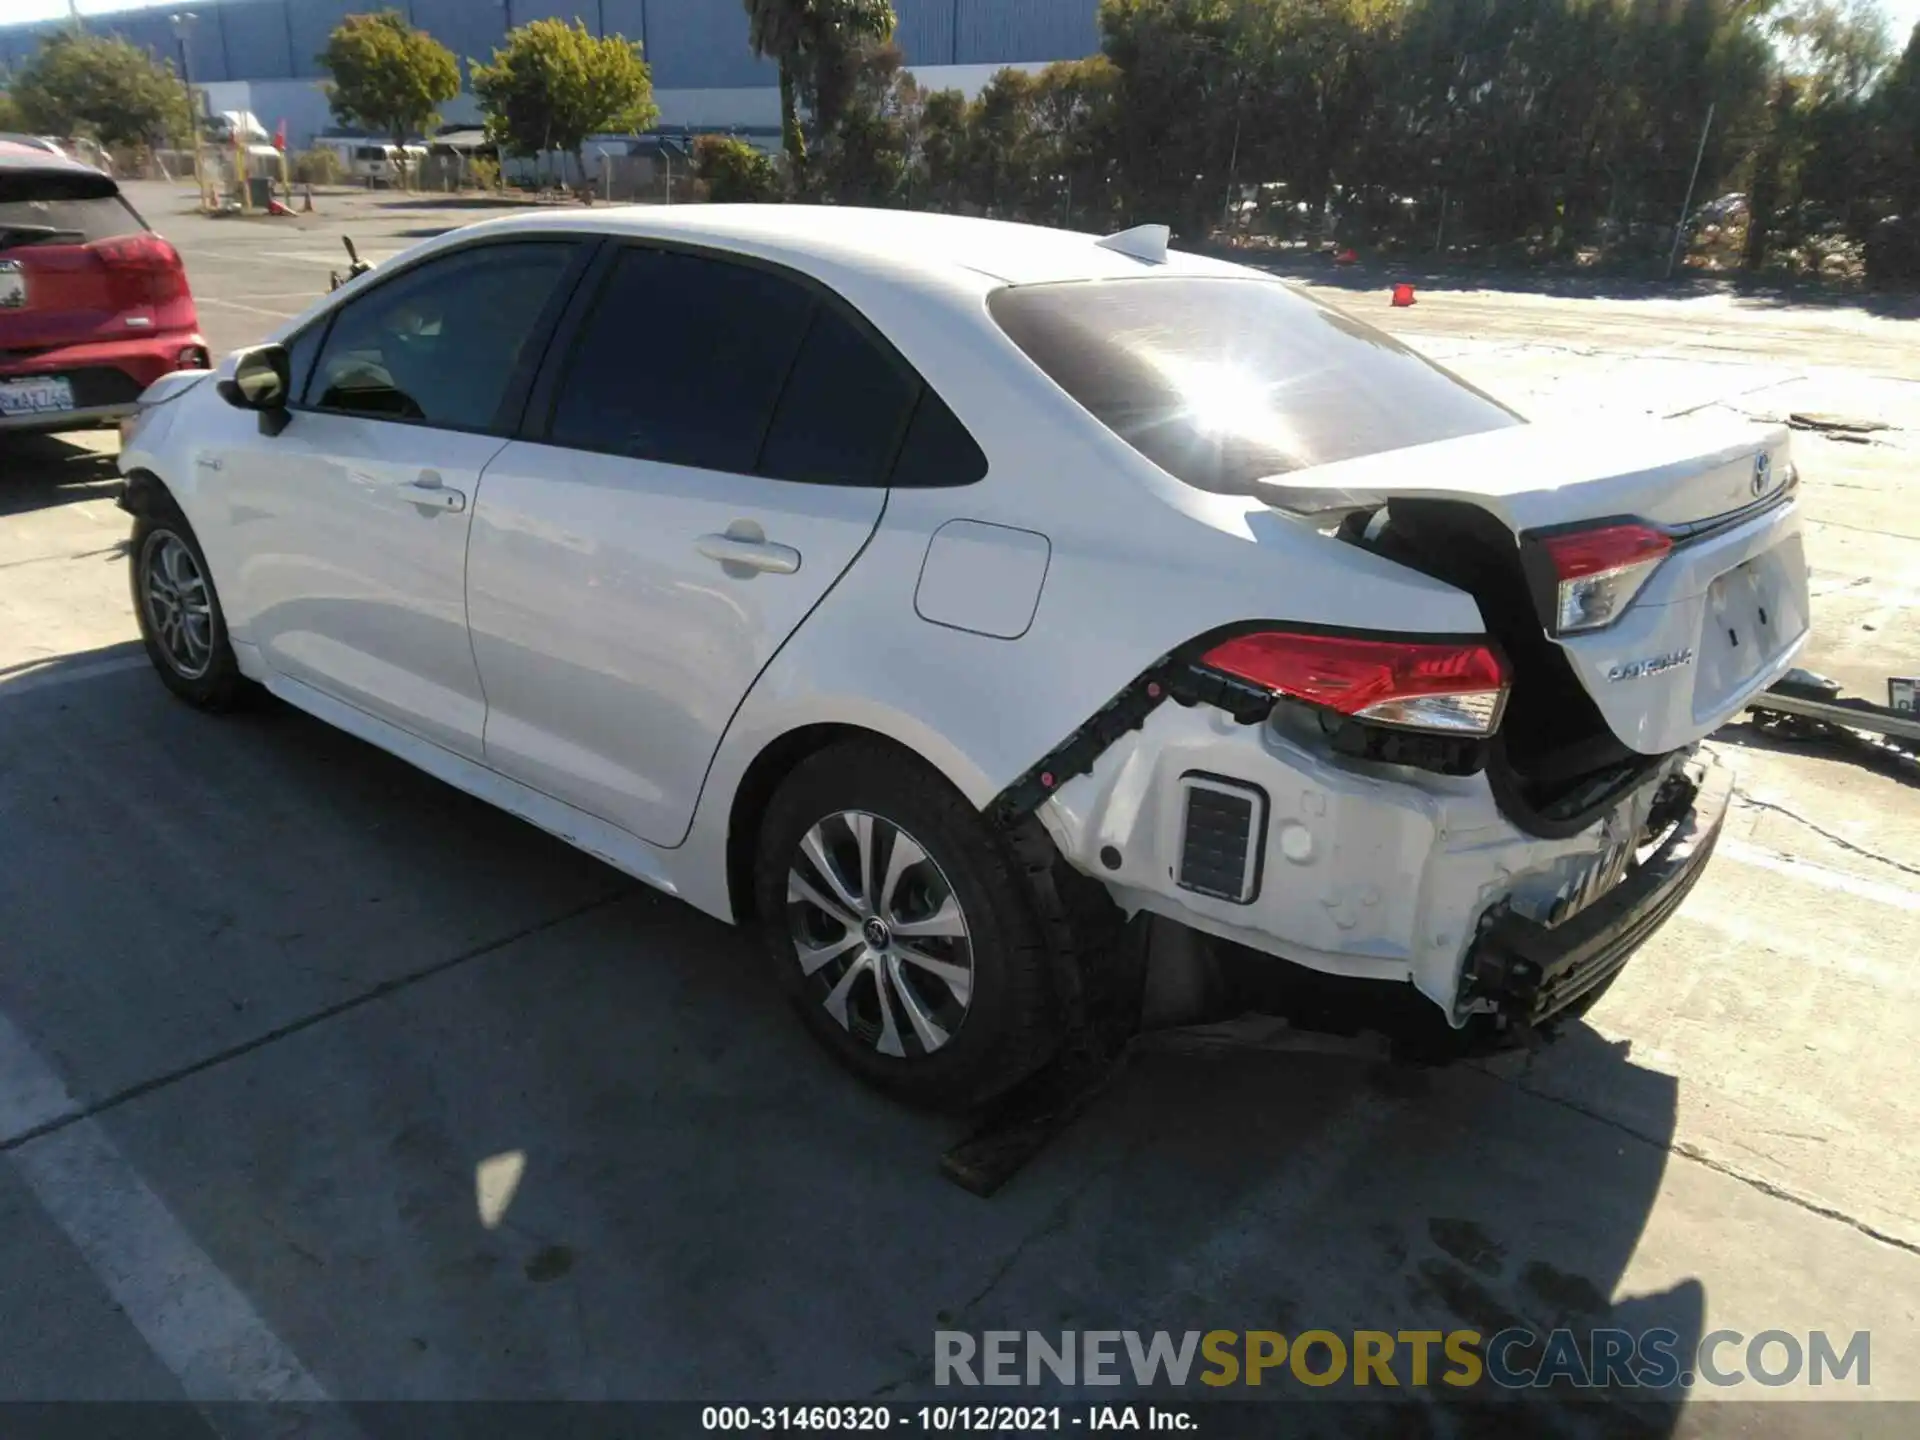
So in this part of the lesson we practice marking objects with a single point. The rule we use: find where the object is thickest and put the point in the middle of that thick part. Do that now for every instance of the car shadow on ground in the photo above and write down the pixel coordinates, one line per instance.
(37, 471)
(464, 1113)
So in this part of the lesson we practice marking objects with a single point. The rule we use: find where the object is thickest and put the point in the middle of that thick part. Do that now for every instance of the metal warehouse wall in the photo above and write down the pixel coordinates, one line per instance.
(691, 44)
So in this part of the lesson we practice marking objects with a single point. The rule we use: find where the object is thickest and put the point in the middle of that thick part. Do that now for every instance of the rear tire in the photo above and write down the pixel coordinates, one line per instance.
(926, 970)
(181, 623)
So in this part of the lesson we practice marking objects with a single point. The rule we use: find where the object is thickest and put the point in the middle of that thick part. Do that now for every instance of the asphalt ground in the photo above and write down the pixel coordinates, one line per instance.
(320, 1080)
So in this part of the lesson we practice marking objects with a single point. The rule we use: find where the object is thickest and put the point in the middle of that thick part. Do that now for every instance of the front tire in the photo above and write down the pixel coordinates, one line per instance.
(902, 929)
(181, 623)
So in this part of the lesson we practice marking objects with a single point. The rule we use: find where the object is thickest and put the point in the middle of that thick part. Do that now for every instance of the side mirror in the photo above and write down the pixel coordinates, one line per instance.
(262, 381)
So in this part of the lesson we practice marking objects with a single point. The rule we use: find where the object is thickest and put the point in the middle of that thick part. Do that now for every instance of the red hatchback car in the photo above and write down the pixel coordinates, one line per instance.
(94, 307)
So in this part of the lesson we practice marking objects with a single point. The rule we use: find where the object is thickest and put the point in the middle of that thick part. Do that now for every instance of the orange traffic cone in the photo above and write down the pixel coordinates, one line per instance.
(1402, 295)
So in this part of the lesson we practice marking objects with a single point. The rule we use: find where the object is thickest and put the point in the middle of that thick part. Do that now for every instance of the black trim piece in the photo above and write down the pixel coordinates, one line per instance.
(1077, 753)
(1431, 750)
(512, 413)
(1534, 972)
(536, 417)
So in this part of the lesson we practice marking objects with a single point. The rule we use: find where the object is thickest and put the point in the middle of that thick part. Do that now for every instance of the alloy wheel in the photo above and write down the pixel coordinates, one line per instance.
(178, 603)
(879, 934)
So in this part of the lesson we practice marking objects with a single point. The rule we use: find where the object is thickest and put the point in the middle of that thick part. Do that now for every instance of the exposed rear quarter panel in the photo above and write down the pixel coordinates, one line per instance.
(1138, 565)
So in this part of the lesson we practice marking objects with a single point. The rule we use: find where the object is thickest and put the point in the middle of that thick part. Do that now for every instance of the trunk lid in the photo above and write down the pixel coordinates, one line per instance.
(1530, 477)
(1721, 617)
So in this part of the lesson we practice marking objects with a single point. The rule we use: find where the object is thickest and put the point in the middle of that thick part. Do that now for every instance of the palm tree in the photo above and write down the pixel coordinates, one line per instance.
(813, 42)
(777, 30)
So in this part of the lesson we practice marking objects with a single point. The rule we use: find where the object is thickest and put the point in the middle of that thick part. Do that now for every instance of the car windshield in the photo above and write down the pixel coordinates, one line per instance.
(1223, 381)
(76, 207)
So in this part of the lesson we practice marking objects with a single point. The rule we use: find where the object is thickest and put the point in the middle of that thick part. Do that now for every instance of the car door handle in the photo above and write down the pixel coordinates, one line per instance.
(733, 550)
(430, 492)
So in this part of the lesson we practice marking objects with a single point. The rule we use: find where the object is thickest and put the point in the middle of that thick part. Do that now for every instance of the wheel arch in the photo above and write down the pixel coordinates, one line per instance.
(762, 778)
(145, 493)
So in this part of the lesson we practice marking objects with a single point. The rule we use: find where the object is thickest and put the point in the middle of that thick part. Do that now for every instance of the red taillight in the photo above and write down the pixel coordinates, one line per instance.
(1458, 687)
(1600, 571)
(148, 265)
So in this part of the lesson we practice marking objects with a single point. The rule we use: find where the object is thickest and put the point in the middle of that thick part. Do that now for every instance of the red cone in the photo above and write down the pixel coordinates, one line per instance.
(1402, 295)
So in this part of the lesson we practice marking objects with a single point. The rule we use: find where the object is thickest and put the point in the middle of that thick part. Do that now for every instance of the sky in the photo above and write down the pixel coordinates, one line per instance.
(1904, 14)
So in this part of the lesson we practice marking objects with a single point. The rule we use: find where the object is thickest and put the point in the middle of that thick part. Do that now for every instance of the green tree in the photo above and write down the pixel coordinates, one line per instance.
(10, 113)
(775, 30)
(77, 83)
(820, 47)
(735, 171)
(943, 146)
(387, 76)
(553, 84)
(865, 156)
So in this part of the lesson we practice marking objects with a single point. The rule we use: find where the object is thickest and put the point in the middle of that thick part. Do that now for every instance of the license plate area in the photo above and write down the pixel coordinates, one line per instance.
(1753, 615)
(36, 395)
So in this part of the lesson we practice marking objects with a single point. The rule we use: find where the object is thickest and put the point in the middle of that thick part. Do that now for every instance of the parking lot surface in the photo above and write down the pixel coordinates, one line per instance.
(320, 1079)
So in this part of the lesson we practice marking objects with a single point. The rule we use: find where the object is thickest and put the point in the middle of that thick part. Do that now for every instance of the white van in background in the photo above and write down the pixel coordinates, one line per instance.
(373, 162)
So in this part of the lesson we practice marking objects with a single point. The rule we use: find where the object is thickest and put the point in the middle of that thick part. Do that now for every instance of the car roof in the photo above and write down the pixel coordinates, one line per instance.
(933, 245)
(17, 156)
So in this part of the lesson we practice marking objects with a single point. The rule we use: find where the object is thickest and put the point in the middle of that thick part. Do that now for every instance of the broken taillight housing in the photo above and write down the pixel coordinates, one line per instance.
(1445, 686)
(1597, 572)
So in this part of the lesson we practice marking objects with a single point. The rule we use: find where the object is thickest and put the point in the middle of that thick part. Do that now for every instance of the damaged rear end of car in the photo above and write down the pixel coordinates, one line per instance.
(1499, 818)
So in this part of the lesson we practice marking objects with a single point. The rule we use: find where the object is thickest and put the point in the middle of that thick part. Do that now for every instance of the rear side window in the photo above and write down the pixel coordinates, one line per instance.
(681, 360)
(1222, 381)
(50, 207)
(937, 449)
(845, 405)
(704, 362)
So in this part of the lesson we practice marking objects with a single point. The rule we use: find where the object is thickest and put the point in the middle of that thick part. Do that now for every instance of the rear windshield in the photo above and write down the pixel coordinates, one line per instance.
(88, 207)
(1221, 382)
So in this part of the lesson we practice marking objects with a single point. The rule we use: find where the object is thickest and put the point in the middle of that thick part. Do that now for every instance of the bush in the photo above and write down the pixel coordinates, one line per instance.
(485, 172)
(319, 166)
(735, 171)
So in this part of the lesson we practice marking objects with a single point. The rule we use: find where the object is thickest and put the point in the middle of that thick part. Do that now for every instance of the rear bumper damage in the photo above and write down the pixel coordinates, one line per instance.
(1531, 972)
(1259, 835)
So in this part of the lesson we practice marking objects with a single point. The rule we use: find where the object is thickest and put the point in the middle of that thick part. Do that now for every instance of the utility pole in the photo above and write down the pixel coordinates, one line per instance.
(182, 27)
(1680, 230)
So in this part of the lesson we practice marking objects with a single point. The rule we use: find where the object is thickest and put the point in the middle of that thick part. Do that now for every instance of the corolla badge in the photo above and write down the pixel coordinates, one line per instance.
(1650, 665)
(1762, 472)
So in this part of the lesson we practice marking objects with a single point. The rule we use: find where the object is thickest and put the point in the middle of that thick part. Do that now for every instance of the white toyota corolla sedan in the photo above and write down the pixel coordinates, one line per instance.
(930, 592)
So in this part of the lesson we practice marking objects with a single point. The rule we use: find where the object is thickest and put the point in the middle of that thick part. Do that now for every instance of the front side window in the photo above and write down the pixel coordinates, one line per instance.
(441, 344)
(1221, 382)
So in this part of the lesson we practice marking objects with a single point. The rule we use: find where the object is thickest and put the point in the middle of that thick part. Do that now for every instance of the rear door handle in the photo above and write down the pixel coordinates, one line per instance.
(431, 493)
(732, 551)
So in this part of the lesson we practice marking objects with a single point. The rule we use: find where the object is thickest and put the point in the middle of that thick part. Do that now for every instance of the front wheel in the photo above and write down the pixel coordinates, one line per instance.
(179, 613)
(903, 930)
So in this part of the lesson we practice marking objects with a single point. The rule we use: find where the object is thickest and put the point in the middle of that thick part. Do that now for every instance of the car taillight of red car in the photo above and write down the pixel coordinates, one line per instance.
(144, 270)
